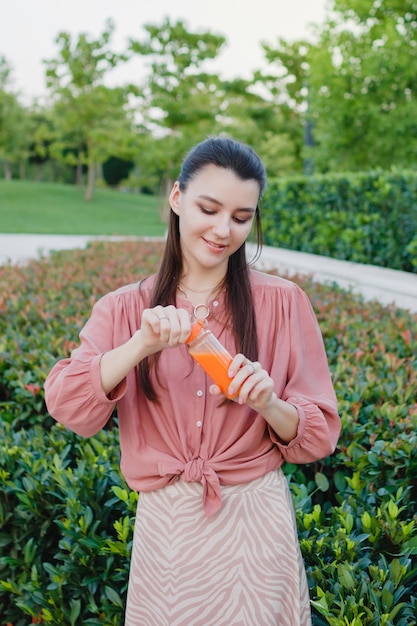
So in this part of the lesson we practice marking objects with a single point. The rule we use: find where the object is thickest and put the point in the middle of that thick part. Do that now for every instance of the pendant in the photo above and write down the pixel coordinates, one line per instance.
(201, 311)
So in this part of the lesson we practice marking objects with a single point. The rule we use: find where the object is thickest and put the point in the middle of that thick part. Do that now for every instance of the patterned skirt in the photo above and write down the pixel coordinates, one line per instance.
(240, 567)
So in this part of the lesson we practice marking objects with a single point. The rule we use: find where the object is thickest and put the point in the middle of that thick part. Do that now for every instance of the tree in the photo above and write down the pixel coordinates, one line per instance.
(259, 121)
(288, 85)
(41, 133)
(363, 86)
(14, 142)
(183, 103)
(177, 80)
(92, 121)
(348, 97)
(180, 100)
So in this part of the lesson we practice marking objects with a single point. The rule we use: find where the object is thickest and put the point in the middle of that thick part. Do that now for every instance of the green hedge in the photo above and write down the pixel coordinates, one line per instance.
(365, 218)
(66, 527)
(66, 515)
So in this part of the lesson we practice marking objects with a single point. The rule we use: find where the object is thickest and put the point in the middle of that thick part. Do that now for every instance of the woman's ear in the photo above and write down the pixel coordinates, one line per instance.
(174, 197)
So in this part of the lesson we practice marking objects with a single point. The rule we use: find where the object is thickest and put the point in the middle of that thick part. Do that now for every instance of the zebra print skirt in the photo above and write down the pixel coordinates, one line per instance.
(240, 567)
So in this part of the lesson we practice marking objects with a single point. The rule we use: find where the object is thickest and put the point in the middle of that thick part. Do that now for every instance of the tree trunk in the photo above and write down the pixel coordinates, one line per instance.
(7, 171)
(79, 173)
(38, 172)
(99, 174)
(89, 193)
(22, 169)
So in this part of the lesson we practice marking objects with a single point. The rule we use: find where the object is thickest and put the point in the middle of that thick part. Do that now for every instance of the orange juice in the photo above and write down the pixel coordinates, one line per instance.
(216, 366)
(213, 357)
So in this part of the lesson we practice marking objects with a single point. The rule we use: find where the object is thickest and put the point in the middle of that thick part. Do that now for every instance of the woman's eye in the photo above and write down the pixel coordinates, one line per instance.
(237, 220)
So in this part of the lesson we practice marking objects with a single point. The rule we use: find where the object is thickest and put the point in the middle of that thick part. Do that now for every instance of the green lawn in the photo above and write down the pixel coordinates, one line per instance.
(48, 208)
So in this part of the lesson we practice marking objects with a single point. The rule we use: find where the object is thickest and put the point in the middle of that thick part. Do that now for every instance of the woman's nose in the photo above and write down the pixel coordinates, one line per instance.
(222, 227)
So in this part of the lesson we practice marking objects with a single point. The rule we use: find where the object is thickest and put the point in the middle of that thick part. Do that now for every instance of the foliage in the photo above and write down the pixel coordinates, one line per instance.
(179, 99)
(91, 119)
(261, 121)
(65, 553)
(340, 100)
(287, 86)
(351, 86)
(14, 144)
(177, 77)
(362, 86)
(42, 133)
(66, 514)
(365, 218)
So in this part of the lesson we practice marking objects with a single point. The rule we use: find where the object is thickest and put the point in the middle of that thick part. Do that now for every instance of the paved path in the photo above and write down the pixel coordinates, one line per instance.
(372, 282)
(385, 285)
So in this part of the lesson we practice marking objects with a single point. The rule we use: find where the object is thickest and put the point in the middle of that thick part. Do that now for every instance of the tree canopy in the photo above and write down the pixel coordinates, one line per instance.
(91, 119)
(342, 99)
(363, 86)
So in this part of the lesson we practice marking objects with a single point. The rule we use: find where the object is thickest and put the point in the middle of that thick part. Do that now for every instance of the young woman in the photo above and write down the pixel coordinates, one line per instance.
(215, 540)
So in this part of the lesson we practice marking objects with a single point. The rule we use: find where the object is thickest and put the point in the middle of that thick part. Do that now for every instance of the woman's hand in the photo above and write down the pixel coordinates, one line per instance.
(163, 327)
(254, 384)
(256, 390)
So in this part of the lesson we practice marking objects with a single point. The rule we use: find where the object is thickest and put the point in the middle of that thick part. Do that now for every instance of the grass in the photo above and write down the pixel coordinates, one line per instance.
(50, 208)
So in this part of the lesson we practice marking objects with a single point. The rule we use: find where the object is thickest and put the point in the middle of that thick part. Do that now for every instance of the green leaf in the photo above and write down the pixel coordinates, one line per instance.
(339, 481)
(122, 494)
(410, 546)
(29, 551)
(345, 576)
(321, 481)
(75, 611)
(113, 596)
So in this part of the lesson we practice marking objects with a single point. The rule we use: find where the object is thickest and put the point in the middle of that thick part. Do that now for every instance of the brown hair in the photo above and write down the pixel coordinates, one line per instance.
(247, 165)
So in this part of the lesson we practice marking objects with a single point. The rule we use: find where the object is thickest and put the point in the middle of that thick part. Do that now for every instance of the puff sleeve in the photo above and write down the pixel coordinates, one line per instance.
(73, 392)
(308, 385)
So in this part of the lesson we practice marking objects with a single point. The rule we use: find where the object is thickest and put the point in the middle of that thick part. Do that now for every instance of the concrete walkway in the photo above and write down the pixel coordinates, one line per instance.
(373, 283)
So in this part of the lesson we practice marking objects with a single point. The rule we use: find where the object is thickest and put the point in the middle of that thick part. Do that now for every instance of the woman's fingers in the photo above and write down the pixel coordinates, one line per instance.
(250, 379)
(171, 325)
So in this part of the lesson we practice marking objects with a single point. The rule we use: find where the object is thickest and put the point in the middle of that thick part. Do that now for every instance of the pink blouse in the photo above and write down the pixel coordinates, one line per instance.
(190, 433)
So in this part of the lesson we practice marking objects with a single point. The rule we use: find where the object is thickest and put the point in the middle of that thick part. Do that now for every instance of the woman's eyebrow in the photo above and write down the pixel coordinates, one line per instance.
(220, 204)
(210, 199)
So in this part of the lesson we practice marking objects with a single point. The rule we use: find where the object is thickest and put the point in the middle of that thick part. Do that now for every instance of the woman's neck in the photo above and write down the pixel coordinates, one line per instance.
(200, 296)
(202, 283)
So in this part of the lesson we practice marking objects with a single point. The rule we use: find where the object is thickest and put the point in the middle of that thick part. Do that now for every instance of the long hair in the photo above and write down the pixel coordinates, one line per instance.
(246, 164)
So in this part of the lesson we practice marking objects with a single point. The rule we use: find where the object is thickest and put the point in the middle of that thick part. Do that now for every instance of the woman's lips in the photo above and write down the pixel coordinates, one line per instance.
(217, 247)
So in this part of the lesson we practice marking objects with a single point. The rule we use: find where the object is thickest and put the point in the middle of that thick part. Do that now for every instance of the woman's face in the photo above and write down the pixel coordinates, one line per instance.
(216, 213)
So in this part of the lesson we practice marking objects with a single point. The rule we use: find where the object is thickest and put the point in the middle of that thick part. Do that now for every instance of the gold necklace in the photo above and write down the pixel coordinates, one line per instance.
(212, 289)
(201, 311)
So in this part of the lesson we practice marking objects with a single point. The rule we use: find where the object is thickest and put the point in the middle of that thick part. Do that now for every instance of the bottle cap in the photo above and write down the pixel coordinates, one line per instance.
(195, 330)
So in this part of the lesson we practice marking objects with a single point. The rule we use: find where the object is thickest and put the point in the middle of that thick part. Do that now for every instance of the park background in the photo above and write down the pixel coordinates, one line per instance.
(333, 114)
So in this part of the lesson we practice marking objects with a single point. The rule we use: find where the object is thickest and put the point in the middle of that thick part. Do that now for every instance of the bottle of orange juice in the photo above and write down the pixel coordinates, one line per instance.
(213, 357)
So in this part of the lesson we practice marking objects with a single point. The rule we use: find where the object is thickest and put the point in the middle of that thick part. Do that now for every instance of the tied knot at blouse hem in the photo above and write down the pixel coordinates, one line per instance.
(197, 470)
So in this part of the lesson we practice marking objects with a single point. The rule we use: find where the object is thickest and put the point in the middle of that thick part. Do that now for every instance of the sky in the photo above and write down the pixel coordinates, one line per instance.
(28, 29)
